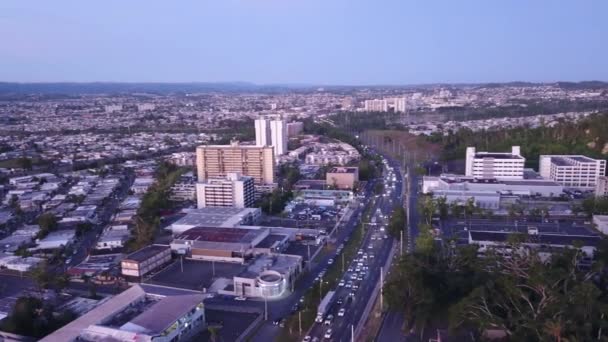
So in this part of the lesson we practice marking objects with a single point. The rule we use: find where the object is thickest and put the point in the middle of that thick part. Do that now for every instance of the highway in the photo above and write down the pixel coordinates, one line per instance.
(354, 294)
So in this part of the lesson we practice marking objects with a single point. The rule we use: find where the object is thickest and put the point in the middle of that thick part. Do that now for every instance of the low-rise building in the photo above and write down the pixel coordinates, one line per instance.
(113, 237)
(145, 260)
(228, 217)
(601, 189)
(342, 177)
(135, 315)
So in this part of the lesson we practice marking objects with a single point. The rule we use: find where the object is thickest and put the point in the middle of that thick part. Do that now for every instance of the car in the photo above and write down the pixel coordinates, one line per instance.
(282, 323)
(355, 286)
(315, 339)
(341, 312)
(340, 301)
(328, 319)
(358, 269)
(67, 262)
(319, 318)
(240, 298)
(276, 322)
(330, 261)
(360, 278)
(328, 334)
(341, 283)
(349, 285)
(302, 299)
(307, 338)
(352, 294)
(350, 269)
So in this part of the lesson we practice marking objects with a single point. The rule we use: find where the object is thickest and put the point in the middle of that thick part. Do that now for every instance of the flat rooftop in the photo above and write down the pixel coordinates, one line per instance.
(216, 234)
(215, 217)
(343, 170)
(570, 160)
(147, 252)
(481, 155)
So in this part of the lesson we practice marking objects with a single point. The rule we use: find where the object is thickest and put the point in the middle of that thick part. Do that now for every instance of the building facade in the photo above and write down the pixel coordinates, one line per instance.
(216, 161)
(294, 128)
(572, 171)
(145, 260)
(233, 191)
(499, 165)
(262, 132)
(376, 105)
(601, 188)
(342, 177)
(278, 132)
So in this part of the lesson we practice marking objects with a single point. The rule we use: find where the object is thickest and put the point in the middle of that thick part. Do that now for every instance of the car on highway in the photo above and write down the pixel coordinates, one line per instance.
(341, 312)
(330, 261)
(328, 334)
(240, 298)
(328, 319)
(341, 283)
(340, 301)
(307, 338)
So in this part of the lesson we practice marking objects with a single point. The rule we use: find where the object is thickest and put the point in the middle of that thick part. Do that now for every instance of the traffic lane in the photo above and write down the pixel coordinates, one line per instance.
(354, 313)
(365, 291)
(319, 330)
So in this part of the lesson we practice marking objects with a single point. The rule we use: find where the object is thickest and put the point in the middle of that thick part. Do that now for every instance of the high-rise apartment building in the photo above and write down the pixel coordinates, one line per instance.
(376, 105)
(233, 191)
(262, 132)
(574, 171)
(216, 161)
(278, 132)
(497, 165)
(294, 128)
(271, 132)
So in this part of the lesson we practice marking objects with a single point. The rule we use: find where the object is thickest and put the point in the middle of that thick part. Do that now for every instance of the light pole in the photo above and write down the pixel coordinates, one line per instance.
(265, 306)
(381, 287)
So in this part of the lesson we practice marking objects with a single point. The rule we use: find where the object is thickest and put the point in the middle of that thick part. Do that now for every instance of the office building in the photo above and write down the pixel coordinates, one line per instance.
(262, 132)
(572, 171)
(216, 161)
(145, 260)
(138, 315)
(233, 191)
(601, 188)
(342, 177)
(278, 132)
(496, 165)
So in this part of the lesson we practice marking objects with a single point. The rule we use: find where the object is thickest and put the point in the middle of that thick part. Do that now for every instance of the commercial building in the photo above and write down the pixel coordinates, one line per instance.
(219, 244)
(233, 191)
(228, 217)
(113, 237)
(216, 161)
(342, 177)
(269, 276)
(572, 171)
(495, 164)
(135, 315)
(145, 260)
(601, 188)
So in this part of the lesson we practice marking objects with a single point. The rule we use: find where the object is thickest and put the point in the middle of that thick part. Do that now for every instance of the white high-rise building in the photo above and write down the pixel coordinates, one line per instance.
(573, 171)
(278, 132)
(262, 132)
(376, 105)
(232, 191)
(499, 165)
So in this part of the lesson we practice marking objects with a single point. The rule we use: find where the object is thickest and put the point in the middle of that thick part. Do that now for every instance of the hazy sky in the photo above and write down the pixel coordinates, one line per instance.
(304, 41)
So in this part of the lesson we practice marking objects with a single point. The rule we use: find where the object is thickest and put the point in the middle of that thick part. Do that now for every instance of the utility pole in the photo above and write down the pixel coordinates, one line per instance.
(321, 287)
(342, 262)
(265, 306)
(401, 241)
(381, 287)
(213, 267)
(300, 321)
(181, 262)
(309, 261)
(352, 333)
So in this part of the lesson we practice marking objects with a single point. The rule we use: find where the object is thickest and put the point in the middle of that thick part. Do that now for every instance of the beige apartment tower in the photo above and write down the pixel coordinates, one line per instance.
(216, 161)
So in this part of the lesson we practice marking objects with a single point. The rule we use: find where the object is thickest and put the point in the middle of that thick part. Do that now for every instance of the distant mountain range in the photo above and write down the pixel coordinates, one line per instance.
(73, 88)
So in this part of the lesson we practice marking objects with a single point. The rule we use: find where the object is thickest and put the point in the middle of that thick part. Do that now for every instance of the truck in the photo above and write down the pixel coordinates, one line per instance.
(324, 306)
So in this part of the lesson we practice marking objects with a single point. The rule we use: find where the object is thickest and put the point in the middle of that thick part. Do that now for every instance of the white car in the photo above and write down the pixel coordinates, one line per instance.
(341, 283)
(307, 338)
(330, 261)
(319, 319)
(328, 334)
(348, 285)
(341, 312)
(240, 298)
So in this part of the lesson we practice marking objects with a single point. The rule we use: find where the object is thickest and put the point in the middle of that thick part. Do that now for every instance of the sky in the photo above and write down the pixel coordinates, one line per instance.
(320, 42)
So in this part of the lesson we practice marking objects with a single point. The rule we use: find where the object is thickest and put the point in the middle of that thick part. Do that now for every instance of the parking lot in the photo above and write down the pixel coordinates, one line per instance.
(197, 275)
(233, 324)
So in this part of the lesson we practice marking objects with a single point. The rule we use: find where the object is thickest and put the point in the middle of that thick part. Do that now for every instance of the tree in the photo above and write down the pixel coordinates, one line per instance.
(48, 223)
(24, 163)
(397, 222)
(443, 207)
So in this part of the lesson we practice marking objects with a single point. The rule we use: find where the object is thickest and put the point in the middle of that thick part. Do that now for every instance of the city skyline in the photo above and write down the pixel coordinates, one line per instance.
(318, 43)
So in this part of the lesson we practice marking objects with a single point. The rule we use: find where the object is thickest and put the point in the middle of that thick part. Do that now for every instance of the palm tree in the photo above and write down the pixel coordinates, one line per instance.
(555, 329)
